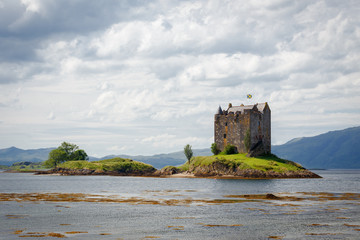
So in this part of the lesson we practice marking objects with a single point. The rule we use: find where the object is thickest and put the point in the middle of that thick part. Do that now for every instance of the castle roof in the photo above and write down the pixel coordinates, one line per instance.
(260, 107)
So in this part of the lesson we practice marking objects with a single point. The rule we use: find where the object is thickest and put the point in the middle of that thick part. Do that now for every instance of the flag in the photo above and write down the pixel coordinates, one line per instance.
(249, 96)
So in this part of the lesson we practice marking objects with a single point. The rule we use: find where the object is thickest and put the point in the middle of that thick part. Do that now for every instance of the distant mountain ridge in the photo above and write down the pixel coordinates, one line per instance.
(11, 155)
(335, 149)
(331, 150)
(162, 160)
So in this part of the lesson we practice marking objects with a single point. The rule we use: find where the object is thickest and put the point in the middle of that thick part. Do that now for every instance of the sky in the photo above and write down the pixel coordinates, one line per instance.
(144, 77)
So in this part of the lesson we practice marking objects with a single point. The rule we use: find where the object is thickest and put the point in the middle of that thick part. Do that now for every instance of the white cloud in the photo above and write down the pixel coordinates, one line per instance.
(51, 116)
(168, 141)
(152, 74)
(117, 149)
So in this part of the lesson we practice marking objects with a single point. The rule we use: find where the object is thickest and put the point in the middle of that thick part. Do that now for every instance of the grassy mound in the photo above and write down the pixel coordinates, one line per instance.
(110, 165)
(240, 161)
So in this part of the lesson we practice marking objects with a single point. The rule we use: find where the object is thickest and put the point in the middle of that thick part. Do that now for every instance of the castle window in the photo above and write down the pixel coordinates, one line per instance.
(226, 124)
(224, 135)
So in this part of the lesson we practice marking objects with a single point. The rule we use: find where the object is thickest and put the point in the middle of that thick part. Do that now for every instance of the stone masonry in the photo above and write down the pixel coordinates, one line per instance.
(230, 127)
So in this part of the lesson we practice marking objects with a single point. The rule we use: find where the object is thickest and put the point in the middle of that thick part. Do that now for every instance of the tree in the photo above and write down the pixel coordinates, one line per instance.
(188, 152)
(214, 149)
(56, 156)
(79, 155)
(69, 149)
(65, 152)
(247, 140)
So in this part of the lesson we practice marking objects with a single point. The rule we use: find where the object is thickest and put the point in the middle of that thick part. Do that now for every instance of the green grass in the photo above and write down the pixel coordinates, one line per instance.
(264, 163)
(114, 164)
(4, 167)
(27, 166)
(185, 166)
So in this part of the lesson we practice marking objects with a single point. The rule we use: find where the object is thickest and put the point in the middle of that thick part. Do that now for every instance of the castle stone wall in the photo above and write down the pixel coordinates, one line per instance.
(230, 129)
(267, 130)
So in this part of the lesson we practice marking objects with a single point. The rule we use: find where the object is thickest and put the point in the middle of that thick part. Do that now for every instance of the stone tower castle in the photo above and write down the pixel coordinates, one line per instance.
(232, 124)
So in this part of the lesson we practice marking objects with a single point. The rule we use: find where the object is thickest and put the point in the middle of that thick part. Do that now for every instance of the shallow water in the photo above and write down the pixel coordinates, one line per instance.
(172, 208)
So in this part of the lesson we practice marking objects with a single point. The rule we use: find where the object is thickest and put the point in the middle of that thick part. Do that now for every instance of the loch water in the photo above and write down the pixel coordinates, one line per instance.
(197, 214)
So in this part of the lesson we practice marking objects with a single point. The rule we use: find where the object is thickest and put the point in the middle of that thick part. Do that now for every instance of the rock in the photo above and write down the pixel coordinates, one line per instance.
(170, 170)
(271, 196)
(99, 172)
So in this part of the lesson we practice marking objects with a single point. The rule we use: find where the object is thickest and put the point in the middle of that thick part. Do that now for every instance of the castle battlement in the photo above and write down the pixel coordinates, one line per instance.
(231, 125)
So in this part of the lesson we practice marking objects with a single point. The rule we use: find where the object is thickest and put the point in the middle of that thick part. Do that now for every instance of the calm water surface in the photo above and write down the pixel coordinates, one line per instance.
(328, 219)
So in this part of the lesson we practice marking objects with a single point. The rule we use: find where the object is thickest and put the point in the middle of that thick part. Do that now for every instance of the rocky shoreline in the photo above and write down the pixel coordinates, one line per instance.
(258, 174)
(200, 172)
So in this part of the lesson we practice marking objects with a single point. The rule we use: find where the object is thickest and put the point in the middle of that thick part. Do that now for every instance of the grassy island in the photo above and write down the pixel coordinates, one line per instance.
(114, 166)
(239, 165)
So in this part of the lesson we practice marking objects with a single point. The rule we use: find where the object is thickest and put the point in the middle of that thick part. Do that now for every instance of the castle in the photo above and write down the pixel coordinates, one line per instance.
(232, 125)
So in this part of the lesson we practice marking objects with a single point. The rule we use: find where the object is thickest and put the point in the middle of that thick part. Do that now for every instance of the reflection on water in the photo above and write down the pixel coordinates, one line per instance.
(93, 207)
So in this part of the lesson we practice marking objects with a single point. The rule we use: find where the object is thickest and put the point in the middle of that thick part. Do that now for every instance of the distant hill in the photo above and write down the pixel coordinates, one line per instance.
(335, 149)
(11, 155)
(161, 160)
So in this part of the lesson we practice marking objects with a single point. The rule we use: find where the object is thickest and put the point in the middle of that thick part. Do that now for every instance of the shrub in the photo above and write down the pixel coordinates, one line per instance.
(230, 149)
(214, 149)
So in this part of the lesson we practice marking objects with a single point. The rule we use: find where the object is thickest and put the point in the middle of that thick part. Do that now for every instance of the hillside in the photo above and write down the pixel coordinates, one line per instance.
(161, 160)
(11, 155)
(335, 149)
